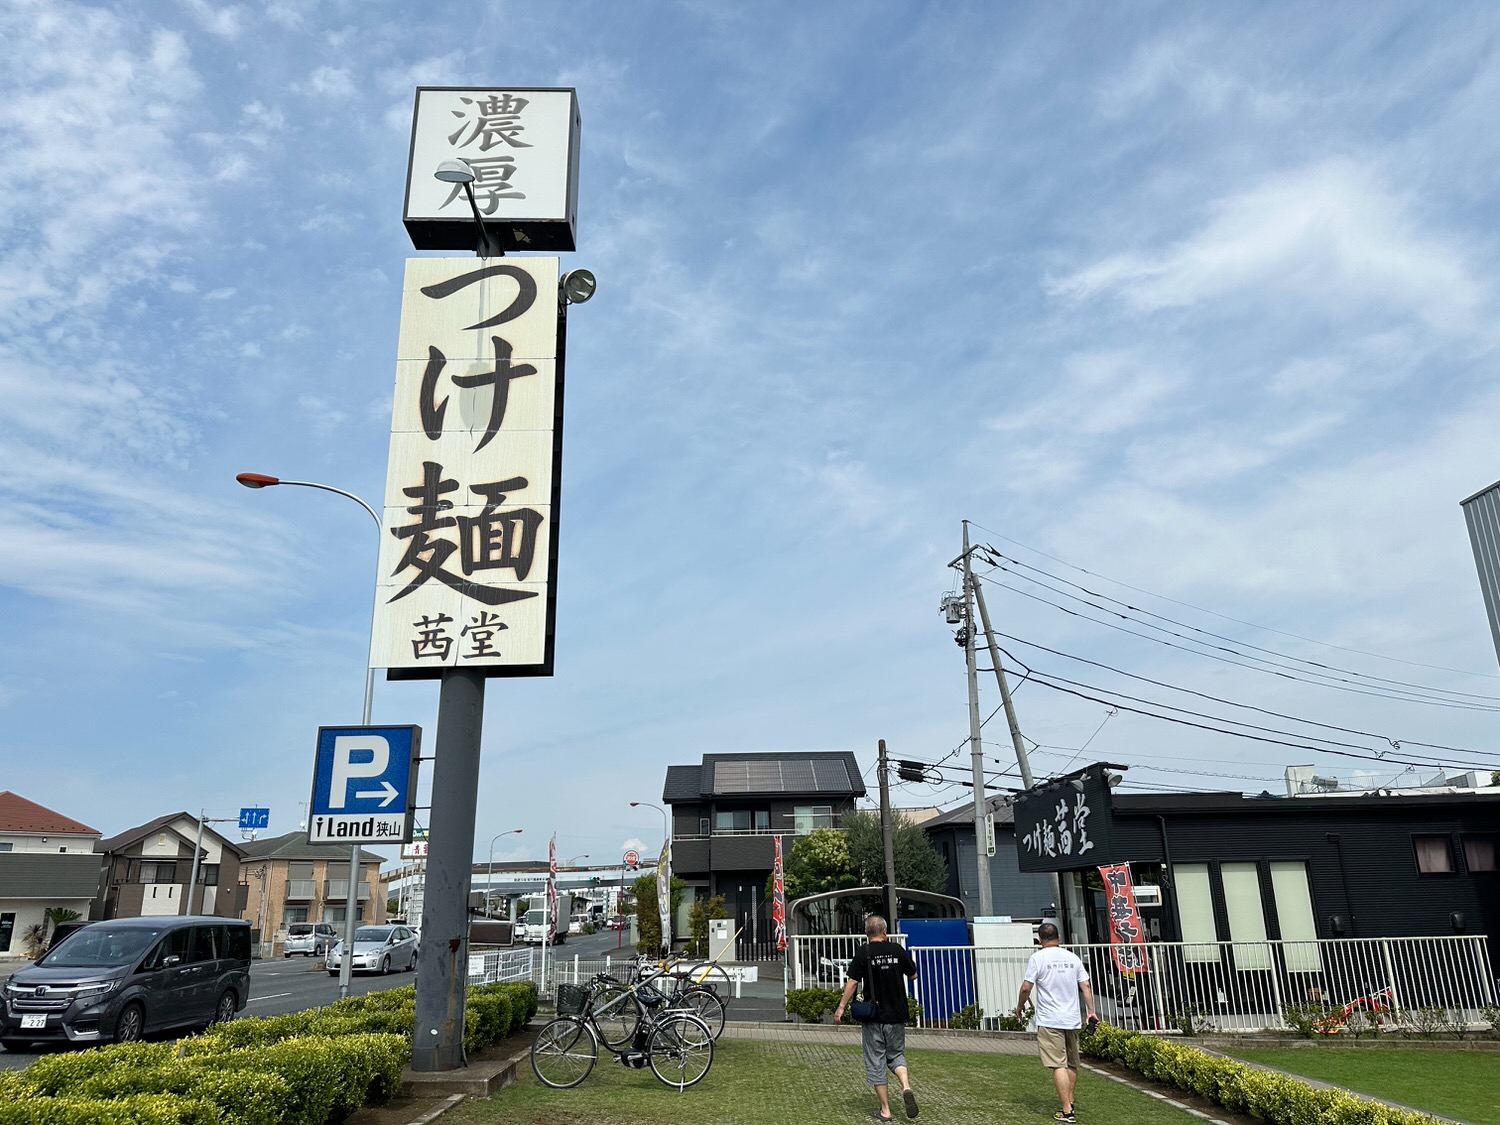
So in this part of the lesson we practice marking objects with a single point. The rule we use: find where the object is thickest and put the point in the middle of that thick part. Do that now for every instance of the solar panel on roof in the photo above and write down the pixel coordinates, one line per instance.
(830, 775)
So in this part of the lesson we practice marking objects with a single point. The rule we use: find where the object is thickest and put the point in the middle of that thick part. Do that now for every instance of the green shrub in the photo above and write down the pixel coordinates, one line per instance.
(1491, 1014)
(1190, 1020)
(968, 1018)
(148, 1109)
(810, 1004)
(63, 1074)
(1306, 1019)
(913, 1012)
(1277, 1099)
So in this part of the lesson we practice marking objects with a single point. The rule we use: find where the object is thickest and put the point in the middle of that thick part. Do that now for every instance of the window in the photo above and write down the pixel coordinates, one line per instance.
(703, 826)
(7, 847)
(1299, 932)
(1247, 915)
(299, 871)
(742, 820)
(294, 914)
(1479, 853)
(1434, 857)
(7, 928)
(1195, 912)
(809, 818)
(155, 871)
(208, 875)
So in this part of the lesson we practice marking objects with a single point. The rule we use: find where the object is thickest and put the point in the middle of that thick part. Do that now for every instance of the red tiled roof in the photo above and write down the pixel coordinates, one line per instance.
(17, 814)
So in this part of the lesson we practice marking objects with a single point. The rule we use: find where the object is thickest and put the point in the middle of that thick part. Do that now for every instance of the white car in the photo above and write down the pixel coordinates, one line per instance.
(377, 949)
(311, 939)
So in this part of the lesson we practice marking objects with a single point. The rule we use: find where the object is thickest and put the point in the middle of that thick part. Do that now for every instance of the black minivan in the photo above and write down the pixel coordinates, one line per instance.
(115, 981)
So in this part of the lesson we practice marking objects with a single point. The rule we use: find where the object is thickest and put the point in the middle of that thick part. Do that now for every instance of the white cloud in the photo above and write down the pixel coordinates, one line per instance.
(1330, 234)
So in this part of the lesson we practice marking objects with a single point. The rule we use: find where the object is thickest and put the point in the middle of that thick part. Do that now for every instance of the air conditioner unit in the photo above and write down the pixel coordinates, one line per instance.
(1147, 894)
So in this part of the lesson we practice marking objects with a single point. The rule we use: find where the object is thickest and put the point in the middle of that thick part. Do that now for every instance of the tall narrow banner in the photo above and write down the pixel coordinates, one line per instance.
(1127, 937)
(552, 890)
(664, 895)
(778, 901)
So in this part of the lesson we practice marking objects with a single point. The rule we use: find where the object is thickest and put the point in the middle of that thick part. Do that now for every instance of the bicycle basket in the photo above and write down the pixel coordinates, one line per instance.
(571, 999)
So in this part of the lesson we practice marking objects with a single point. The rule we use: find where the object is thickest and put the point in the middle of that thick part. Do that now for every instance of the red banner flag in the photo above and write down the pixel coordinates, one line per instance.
(778, 901)
(552, 890)
(1126, 933)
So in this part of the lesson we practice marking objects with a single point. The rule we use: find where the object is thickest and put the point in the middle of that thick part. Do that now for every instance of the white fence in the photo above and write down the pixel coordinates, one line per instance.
(490, 965)
(1220, 986)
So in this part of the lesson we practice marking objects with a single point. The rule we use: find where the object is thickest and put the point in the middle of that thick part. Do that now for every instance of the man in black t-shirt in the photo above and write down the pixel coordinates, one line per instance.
(884, 967)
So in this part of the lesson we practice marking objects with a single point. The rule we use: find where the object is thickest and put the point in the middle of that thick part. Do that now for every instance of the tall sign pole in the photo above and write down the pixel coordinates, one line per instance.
(470, 536)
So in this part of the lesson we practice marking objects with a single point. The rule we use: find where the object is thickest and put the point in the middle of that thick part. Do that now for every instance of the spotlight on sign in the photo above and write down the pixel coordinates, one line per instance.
(578, 286)
(454, 172)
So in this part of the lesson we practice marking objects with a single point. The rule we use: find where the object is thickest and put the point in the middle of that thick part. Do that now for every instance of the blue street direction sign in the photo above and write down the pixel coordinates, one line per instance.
(251, 819)
(364, 785)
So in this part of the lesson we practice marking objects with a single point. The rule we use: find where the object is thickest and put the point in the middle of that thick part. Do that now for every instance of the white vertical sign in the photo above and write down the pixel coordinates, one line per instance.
(469, 531)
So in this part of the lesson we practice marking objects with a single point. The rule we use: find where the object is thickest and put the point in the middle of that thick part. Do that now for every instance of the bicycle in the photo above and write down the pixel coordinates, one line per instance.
(676, 1044)
(682, 989)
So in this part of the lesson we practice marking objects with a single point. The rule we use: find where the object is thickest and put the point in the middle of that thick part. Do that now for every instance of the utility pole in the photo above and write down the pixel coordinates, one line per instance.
(976, 745)
(886, 839)
(1022, 760)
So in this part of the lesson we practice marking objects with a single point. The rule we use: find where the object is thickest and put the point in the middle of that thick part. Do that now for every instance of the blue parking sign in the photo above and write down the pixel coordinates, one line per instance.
(364, 785)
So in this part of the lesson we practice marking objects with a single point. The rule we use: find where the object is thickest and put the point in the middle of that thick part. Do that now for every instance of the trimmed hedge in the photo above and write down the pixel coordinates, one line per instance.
(1278, 1099)
(306, 1068)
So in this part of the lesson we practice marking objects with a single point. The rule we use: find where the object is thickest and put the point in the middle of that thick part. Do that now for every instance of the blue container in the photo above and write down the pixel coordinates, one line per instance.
(945, 975)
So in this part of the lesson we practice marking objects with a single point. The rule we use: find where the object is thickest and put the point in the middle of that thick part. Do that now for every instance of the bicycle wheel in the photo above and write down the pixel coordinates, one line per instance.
(708, 975)
(704, 1003)
(617, 1015)
(680, 1049)
(564, 1052)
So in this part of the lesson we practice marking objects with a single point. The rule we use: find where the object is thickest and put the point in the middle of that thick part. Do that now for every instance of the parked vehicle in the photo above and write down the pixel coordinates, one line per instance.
(118, 980)
(576, 923)
(617, 922)
(377, 949)
(536, 928)
(311, 939)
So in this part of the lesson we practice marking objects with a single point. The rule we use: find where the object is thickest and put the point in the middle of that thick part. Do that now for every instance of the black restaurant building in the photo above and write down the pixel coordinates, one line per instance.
(1224, 867)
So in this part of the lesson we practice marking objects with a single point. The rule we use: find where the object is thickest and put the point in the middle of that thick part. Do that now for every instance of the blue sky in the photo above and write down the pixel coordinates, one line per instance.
(1196, 298)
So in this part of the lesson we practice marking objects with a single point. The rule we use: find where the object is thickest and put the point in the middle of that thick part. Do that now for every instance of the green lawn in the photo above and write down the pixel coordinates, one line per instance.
(1460, 1084)
(796, 1081)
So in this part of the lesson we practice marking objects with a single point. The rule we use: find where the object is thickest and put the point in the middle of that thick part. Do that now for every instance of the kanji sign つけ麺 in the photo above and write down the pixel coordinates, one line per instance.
(469, 531)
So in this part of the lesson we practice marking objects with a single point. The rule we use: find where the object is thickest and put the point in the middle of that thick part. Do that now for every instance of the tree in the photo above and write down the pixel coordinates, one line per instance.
(703, 911)
(818, 862)
(918, 865)
(648, 920)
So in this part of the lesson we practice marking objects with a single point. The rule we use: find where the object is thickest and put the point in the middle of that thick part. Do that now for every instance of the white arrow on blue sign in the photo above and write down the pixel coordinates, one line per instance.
(364, 785)
(251, 819)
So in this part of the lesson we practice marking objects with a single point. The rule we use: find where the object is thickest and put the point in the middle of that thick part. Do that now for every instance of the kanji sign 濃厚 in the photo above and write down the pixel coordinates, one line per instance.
(520, 143)
(468, 534)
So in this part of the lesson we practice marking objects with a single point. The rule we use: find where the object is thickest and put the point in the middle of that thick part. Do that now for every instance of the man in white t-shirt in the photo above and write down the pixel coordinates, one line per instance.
(1054, 978)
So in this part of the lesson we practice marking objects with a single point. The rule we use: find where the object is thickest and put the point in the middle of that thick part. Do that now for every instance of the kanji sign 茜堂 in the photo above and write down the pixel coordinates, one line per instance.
(1064, 825)
(364, 785)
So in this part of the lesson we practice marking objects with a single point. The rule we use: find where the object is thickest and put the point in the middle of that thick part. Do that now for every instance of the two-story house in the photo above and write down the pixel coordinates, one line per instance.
(149, 868)
(726, 811)
(47, 861)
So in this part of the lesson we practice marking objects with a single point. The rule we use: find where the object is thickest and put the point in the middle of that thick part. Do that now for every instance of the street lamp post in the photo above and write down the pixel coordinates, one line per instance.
(489, 870)
(351, 901)
(666, 828)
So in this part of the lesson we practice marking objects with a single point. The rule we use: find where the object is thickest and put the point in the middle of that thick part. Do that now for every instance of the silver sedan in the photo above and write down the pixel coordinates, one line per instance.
(377, 949)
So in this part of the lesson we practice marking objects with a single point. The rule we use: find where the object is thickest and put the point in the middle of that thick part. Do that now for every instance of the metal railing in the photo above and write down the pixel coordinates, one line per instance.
(488, 966)
(1205, 986)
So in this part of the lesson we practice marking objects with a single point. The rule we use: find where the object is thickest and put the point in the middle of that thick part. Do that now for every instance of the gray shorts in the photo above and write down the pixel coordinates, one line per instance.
(885, 1048)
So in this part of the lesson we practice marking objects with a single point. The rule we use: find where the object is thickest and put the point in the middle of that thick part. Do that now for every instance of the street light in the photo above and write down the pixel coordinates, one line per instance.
(666, 827)
(460, 171)
(351, 902)
(489, 881)
(575, 859)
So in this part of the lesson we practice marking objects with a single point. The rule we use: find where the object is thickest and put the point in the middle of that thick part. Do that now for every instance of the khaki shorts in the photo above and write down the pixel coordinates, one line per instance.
(1059, 1048)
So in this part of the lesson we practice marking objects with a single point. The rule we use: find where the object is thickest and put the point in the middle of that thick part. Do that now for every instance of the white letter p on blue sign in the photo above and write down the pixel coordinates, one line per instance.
(346, 769)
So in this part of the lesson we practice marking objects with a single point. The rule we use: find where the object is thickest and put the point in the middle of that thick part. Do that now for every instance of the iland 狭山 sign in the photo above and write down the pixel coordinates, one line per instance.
(1064, 825)
(522, 144)
(469, 534)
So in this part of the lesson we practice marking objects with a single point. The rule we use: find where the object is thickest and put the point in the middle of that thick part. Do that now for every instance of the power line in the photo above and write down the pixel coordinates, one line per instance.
(1236, 620)
(1278, 672)
(1322, 668)
(1394, 743)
